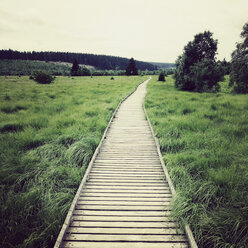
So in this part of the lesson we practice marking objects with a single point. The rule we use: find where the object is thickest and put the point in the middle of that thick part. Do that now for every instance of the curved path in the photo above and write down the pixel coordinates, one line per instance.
(125, 201)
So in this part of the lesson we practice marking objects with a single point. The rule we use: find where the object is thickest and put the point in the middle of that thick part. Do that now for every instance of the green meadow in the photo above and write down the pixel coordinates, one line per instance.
(204, 143)
(48, 134)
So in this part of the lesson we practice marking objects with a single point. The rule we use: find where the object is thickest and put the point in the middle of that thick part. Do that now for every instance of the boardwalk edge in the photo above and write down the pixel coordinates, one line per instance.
(188, 231)
(85, 177)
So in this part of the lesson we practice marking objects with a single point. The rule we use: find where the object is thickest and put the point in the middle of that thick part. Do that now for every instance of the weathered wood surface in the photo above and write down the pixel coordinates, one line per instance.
(125, 201)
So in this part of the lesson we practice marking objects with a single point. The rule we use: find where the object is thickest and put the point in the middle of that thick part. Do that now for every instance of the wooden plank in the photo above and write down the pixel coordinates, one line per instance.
(123, 238)
(115, 186)
(126, 203)
(134, 161)
(74, 244)
(137, 184)
(127, 167)
(163, 187)
(119, 207)
(122, 218)
(124, 180)
(127, 172)
(122, 230)
(122, 195)
(125, 213)
(134, 191)
(127, 199)
(127, 224)
(124, 152)
(122, 176)
(131, 169)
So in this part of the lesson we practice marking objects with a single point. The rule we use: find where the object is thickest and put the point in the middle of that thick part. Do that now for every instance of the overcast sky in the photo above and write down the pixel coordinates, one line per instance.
(148, 30)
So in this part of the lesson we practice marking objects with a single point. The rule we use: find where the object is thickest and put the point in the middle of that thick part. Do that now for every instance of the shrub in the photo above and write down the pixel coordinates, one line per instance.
(84, 71)
(42, 77)
(161, 77)
(205, 76)
(112, 78)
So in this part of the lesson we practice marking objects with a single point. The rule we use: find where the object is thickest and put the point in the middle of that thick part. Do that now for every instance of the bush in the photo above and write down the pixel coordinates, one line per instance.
(205, 76)
(84, 71)
(161, 77)
(43, 78)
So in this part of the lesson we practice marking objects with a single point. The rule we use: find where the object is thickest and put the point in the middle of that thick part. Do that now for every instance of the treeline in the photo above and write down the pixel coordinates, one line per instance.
(163, 65)
(28, 67)
(102, 62)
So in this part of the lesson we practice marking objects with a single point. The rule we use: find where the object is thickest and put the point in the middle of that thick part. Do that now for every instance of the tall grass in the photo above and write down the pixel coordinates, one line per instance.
(48, 134)
(204, 142)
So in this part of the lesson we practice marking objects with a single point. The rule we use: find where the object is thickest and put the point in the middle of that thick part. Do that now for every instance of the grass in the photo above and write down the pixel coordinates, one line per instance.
(48, 134)
(204, 143)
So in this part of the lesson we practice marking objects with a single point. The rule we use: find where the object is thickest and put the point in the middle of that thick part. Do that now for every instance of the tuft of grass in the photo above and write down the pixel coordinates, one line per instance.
(11, 127)
(48, 134)
(204, 143)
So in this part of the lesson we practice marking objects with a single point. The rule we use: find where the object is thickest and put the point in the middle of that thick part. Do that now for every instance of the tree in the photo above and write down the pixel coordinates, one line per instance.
(239, 64)
(196, 55)
(131, 68)
(75, 68)
(161, 77)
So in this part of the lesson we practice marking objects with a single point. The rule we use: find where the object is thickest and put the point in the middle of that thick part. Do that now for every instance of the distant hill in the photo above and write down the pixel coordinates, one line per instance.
(163, 65)
(102, 62)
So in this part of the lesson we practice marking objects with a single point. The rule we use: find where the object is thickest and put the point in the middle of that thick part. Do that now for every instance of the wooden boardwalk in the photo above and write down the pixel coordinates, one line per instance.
(124, 200)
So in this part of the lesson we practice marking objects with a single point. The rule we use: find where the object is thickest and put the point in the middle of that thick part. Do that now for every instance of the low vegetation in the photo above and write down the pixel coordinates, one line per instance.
(48, 134)
(42, 77)
(204, 142)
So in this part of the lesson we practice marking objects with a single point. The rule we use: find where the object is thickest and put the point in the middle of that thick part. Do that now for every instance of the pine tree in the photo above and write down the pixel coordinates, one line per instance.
(131, 68)
(161, 77)
(75, 68)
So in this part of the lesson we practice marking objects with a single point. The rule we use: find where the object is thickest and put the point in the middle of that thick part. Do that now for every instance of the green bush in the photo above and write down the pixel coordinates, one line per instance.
(43, 78)
(84, 71)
